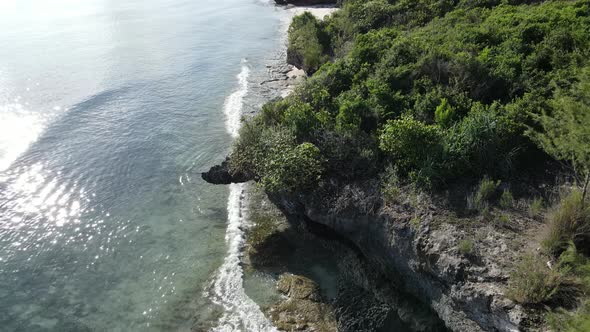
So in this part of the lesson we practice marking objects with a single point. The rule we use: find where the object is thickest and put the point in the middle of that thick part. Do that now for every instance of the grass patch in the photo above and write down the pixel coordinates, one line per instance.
(532, 282)
(506, 200)
(503, 219)
(486, 214)
(485, 192)
(466, 247)
(569, 221)
(390, 187)
(536, 207)
(415, 221)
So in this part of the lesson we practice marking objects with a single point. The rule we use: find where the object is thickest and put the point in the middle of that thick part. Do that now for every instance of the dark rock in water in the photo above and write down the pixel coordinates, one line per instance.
(306, 2)
(220, 174)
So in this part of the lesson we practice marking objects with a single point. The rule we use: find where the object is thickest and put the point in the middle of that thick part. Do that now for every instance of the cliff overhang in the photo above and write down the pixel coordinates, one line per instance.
(416, 246)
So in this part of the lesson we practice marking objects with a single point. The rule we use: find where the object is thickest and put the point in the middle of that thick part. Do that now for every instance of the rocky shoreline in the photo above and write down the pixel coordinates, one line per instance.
(324, 284)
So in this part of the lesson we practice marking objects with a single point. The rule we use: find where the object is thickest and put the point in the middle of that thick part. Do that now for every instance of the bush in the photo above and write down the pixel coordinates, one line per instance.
(506, 200)
(568, 221)
(292, 168)
(566, 130)
(301, 119)
(481, 70)
(308, 43)
(349, 115)
(480, 144)
(251, 149)
(444, 113)
(533, 282)
(410, 143)
(577, 267)
(272, 156)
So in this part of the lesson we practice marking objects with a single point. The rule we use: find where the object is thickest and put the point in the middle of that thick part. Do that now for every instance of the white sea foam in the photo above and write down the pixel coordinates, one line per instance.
(233, 104)
(240, 313)
(18, 129)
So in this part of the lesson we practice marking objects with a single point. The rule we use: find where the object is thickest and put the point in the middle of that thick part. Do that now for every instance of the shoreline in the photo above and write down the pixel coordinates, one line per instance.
(278, 238)
(226, 288)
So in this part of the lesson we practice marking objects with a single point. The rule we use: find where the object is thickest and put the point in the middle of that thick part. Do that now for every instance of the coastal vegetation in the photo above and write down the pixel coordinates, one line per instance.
(433, 95)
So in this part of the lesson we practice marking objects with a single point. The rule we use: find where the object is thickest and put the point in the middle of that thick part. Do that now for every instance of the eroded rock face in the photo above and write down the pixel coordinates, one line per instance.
(416, 246)
(467, 295)
(302, 309)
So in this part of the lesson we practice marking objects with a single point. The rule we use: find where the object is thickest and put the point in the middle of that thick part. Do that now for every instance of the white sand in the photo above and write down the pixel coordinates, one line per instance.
(318, 11)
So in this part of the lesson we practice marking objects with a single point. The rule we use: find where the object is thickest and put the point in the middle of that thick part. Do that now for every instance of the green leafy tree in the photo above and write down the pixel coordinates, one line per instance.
(565, 133)
(308, 43)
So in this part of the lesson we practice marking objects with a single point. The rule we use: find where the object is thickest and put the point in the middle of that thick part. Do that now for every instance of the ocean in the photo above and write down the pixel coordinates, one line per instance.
(109, 111)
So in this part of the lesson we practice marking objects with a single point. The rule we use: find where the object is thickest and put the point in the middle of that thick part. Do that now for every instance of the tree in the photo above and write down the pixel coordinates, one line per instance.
(565, 133)
(410, 143)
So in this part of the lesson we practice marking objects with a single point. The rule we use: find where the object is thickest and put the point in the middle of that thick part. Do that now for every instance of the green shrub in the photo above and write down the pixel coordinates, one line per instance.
(506, 199)
(490, 70)
(272, 156)
(410, 143)
(485, 192)
(292, 168)
(532, 282)
(565, 133)
(444, 113)
(568, 221)
(480, 144)
(536, 207)
(301, 119)
(465, 247)
(250, 151)
(350, 115)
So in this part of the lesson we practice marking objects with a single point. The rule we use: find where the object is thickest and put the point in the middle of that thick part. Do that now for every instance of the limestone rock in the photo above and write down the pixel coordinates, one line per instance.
(302, 309)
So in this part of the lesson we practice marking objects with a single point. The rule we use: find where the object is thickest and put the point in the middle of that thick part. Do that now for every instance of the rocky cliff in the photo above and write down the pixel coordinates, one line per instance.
(418, 245)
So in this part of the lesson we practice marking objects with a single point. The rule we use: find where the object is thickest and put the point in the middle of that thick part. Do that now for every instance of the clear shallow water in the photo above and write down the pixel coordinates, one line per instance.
(108, 112)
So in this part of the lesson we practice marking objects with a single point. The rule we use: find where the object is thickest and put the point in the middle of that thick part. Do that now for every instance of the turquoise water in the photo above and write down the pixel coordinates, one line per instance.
(108, 112)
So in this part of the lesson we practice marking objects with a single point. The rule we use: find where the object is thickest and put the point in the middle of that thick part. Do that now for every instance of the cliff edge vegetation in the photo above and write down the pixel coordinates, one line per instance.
(482, 106)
